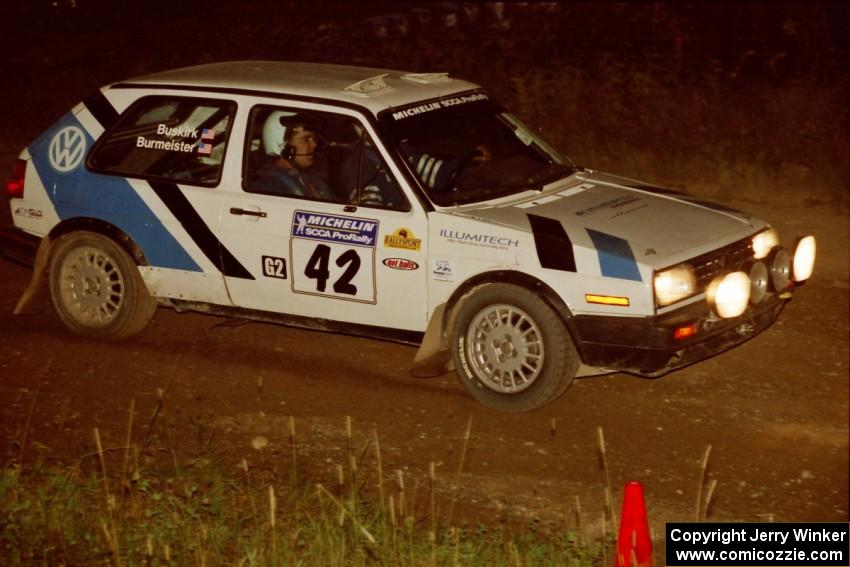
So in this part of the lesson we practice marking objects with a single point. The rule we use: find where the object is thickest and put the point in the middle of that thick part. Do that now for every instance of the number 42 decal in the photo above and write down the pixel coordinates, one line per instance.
(333, 270)
(333, 256)
(317, 269)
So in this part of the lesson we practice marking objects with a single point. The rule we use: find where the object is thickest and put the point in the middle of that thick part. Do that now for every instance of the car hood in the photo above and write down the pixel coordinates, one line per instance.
(660, 225)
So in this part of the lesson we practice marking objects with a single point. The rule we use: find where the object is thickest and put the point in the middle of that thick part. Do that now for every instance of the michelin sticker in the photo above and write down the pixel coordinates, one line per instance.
(67, 149)
(423, 108)
(403, 238)
(333, 256)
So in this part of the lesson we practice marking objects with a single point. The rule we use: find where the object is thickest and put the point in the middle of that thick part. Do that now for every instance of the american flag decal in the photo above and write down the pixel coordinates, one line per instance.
(207, 136)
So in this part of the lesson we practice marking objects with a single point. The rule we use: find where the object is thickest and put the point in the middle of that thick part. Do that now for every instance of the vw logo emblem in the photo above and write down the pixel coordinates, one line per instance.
(67, 148)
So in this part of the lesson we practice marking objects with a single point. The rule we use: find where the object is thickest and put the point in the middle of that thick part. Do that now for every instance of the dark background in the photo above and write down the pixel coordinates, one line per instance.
(724, 97)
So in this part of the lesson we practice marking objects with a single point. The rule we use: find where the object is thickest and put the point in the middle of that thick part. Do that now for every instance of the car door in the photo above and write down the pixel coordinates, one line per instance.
(352, 252)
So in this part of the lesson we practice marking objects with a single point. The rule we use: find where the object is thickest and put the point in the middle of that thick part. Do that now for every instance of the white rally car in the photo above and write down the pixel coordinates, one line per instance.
(403, 206)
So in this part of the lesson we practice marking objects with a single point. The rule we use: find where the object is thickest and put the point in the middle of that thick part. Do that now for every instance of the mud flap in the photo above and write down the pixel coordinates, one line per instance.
(433, 357)
(35, 295)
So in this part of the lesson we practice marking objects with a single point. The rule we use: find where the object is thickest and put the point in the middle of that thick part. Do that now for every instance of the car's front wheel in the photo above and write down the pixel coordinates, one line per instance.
(96, 287)
(512, 351)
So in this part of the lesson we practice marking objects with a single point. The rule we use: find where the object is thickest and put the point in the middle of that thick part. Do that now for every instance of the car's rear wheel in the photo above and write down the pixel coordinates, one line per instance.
(511, 349)
(96, 287)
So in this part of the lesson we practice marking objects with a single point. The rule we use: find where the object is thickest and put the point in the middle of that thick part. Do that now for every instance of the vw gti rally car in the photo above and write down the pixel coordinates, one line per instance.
(403, 206)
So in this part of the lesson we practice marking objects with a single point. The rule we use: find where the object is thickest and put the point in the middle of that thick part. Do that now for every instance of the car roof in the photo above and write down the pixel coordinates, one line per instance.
(345, 83)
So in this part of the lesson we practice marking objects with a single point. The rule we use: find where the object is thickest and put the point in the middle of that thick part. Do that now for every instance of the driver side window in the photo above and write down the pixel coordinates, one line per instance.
(307, 154)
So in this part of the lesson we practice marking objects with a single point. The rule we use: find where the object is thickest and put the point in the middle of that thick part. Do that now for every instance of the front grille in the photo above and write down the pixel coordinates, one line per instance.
(730, 258)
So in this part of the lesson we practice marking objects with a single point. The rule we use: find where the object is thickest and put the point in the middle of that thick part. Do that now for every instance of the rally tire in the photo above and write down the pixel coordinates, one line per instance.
(96, 288)
(511, 350)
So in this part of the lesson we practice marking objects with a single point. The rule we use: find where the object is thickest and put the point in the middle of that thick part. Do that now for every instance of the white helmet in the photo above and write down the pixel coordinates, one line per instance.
(274, 132)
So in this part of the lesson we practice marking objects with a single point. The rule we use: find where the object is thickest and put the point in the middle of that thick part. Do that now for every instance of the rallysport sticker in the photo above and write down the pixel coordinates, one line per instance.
(403, 238)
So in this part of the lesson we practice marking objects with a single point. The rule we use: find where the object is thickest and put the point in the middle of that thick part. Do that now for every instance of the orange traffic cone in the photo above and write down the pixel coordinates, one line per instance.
(634, 547)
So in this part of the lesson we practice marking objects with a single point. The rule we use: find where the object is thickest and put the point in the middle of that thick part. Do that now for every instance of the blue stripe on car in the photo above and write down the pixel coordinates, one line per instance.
(80, 193)
(616, 259)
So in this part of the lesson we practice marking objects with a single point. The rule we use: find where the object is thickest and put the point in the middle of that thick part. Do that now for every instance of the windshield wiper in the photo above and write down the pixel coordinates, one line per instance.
(562, 171)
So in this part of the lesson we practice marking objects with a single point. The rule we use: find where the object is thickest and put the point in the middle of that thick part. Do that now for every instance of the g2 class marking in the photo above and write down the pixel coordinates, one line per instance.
(274, 267)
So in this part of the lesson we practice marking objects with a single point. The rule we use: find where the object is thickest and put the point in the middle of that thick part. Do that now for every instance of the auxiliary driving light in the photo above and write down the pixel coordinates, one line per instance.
(780, 270)
(804, 258)
(729, 294)
(758, 282)
(764, 242)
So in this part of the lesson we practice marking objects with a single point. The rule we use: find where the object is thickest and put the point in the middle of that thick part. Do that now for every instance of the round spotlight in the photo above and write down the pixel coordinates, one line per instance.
(729, 294)
(780, 270)
(804, 258)
(764, 242)
(758, 282)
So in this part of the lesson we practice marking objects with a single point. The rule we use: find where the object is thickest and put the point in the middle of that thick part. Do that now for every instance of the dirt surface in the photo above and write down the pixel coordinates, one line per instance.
(774, 410)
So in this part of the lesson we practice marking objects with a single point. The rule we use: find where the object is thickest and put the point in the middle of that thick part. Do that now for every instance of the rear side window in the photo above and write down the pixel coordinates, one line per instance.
(174, 138)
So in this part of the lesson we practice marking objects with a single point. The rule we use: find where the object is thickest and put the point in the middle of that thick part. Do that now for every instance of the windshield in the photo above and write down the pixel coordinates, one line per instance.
(465, 148)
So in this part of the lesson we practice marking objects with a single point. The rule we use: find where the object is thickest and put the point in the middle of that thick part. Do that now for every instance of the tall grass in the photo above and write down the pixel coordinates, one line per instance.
(181, 509)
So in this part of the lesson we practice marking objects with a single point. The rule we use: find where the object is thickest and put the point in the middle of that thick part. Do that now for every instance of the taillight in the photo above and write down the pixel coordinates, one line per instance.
(15, 185)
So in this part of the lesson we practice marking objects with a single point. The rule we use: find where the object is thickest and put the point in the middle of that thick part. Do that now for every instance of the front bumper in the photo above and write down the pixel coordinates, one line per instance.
(646, 346)
(18, 246)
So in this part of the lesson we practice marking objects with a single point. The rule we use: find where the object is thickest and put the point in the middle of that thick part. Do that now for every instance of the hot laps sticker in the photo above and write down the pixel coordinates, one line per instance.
(428, 107)
(333, 256)
(402, 238)
(400, 264)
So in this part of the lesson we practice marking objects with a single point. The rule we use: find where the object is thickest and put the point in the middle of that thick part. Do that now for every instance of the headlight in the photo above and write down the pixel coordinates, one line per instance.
(764, 242)
(804, 258)
(729, 294)
(674, 284)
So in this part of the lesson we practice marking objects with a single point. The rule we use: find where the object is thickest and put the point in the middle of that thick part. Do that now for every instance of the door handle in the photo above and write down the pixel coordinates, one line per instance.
(238, 211)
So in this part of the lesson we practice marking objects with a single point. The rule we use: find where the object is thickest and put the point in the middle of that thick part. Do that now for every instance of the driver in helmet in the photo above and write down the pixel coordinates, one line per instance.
(291, 144)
